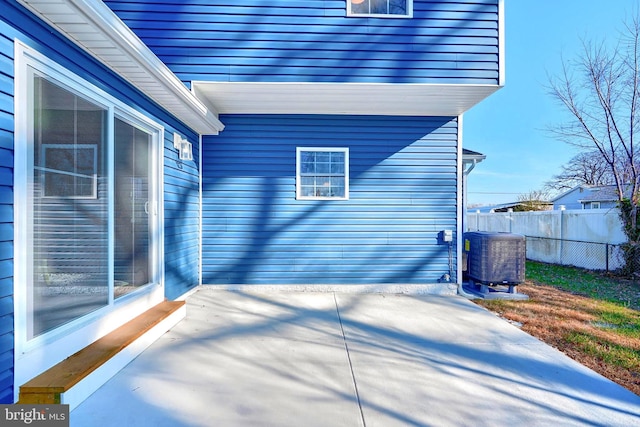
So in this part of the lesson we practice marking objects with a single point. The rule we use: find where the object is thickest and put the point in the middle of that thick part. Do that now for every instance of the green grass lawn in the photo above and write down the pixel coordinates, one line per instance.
(595, 285)
(618, 300)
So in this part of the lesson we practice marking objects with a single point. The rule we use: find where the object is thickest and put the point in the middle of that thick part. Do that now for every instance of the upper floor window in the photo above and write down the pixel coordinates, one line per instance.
(322, 173)
(380, 8)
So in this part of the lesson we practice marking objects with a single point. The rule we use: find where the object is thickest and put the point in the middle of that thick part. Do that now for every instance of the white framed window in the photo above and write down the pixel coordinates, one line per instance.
(595, 205)
(322, 173)
(380, 8)
(88, 174)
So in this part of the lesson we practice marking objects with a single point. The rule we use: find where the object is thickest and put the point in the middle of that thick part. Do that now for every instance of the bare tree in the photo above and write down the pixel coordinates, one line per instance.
(601, 91)
(586, 168)
(537, 200)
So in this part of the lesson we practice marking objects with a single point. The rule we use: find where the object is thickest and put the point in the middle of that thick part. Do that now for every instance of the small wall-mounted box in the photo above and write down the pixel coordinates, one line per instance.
(446, 236)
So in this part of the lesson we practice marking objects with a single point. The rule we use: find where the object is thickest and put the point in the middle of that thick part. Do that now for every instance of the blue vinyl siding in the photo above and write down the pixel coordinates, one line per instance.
(181, 220)
(181, 238)
(6, 219)
(314, 41)
(402, 193)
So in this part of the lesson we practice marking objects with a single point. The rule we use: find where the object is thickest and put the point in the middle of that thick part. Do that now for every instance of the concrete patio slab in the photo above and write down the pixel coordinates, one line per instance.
(454, 363)
(318, 359)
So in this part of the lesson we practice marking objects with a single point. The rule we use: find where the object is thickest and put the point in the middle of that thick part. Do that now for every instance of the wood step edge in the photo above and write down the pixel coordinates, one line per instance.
(64, 375)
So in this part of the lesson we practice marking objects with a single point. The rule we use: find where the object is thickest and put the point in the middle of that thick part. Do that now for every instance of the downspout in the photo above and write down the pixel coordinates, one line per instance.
(471, 164)
(462, 209)
(200, 173)
(465, 172)
(474, 162)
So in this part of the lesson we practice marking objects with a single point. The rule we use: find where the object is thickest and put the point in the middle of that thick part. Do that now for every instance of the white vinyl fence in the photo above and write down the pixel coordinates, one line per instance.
(582, 238)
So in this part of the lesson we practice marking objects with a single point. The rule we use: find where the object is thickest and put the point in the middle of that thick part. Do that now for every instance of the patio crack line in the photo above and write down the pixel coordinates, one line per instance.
(346, 347)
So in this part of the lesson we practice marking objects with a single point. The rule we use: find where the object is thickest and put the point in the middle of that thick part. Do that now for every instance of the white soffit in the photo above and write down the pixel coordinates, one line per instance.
(341, 98)
(95, 28)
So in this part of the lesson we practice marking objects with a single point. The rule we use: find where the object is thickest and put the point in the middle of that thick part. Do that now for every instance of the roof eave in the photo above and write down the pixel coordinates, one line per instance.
(345, 98)
(475, 157)
(96, 29)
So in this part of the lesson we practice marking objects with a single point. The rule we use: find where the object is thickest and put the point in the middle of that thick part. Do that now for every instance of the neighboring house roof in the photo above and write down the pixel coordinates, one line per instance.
(504, 207)
(606, 193)
(588, 194)
(494, 208)
(94, 27)
(579, 188)
(571, 199)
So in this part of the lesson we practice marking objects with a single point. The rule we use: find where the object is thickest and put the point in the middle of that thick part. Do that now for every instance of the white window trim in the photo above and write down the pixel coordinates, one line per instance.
(380, 15)
(344, 150)
(38, 354)
(595, 205)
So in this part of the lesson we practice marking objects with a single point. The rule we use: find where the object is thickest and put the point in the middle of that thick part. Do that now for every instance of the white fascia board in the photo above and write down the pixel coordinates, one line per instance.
(156, 80)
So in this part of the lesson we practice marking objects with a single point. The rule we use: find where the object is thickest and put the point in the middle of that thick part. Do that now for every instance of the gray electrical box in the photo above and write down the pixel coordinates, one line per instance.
(446, 236)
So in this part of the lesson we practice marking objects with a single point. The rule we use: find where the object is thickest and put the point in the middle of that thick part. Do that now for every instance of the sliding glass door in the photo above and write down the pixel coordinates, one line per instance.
(132, 208)
(92, 200)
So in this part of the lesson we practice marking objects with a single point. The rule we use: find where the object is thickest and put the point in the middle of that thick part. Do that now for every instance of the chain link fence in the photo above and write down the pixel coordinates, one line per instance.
(577, 253)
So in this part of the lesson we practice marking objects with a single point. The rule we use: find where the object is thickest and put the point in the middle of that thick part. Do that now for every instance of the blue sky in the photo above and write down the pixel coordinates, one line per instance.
(510, 126)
